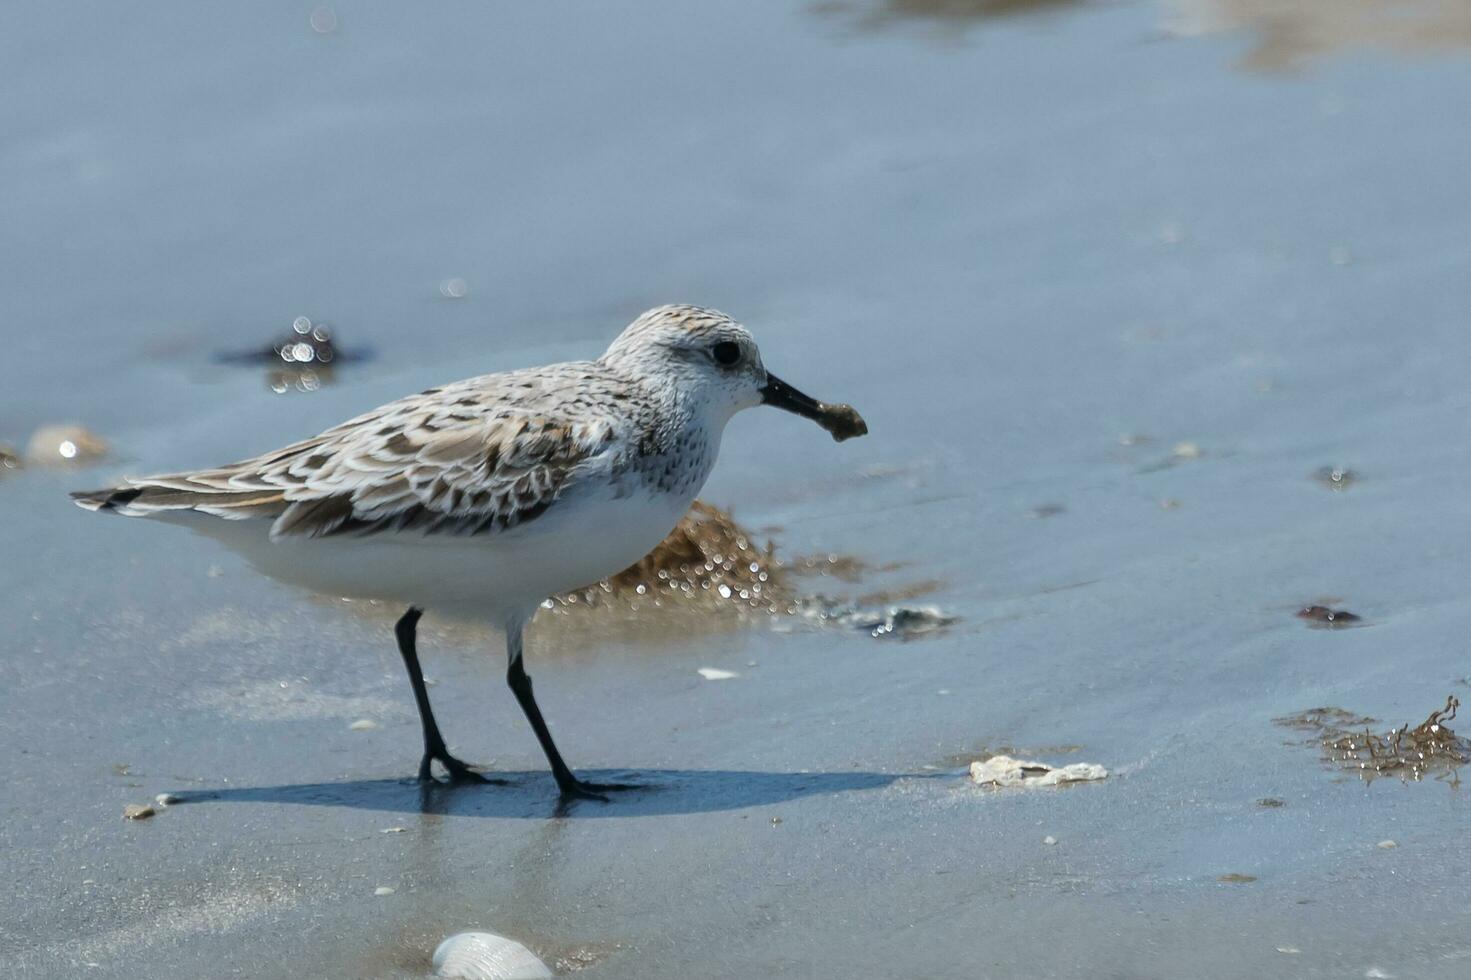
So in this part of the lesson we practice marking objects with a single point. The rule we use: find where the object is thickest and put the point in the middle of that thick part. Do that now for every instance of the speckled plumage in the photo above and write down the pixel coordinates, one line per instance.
(486, 496)
(474, 457)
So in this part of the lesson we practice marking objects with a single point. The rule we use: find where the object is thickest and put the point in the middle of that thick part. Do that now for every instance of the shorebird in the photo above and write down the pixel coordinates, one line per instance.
(486, 496)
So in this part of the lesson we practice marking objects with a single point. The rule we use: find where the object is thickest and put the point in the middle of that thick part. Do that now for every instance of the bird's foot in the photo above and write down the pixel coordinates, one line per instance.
(576, 789)
(457, 771)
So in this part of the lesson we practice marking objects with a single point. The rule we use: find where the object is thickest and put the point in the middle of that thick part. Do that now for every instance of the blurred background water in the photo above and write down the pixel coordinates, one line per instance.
(1111, 281)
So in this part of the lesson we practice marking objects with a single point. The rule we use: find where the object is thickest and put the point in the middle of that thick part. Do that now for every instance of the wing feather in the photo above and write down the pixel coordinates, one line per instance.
(473, 458)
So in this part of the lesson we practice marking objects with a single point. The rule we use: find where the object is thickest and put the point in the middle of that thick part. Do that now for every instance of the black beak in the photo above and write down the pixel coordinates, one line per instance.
(840, 420)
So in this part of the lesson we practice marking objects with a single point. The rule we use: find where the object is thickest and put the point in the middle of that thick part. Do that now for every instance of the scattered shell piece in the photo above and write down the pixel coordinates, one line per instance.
(138, 811)
(1049, 839)
(1236, 879)
(716, 674)
(1386, 844)
(363, 725)
(167, 800)
(776, 821)
(1187, 450)
(1270, 802)
(579, 959)
(1005, 771)
(1323, 616)
(1289, 950)
(65, 445)
(1336, 477)
(453, 288)
(324, 18)
(392, 830)
(486, 956)
(382, 890)
(8, 458)
(1374, 973)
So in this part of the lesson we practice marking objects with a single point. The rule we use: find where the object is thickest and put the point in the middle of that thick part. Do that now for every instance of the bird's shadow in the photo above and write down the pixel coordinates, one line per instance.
(533, 795)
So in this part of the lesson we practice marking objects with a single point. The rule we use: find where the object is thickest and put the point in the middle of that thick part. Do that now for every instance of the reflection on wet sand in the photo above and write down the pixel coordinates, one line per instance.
(1291, 32)
(947, 15)
(527, 795)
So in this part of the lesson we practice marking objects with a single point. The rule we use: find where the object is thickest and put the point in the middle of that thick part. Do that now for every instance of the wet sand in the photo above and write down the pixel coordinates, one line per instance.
(1067, 265)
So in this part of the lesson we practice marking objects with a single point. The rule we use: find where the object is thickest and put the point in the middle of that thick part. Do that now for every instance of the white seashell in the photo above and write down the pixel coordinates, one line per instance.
(1003, 770)
(716, 674)
(486, 956)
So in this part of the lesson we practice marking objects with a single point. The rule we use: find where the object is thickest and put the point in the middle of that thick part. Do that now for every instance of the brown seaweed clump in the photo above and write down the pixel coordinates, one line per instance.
(709, 557)
(1430, 748)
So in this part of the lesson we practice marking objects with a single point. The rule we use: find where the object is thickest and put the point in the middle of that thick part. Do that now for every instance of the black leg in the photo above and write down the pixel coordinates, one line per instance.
(570, 785)
(434, 747)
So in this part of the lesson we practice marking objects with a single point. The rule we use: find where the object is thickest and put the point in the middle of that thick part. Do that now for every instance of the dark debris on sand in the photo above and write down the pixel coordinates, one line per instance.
(1349, 744)
(1324, 617)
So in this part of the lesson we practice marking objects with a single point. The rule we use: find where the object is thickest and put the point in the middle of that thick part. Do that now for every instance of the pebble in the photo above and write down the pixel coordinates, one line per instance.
(138, 811)
(1386, 844)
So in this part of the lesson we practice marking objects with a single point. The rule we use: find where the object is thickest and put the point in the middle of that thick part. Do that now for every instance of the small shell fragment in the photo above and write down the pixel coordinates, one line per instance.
(716, 674)
(486, 956)
(1004, 771)
(382, 890)
(138, 811)
(65, 445)
(1386, 845)
(166, 800)
(363, 725)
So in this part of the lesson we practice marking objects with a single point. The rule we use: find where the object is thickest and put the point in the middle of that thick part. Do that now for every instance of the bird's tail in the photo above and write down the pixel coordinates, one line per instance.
(110, 499)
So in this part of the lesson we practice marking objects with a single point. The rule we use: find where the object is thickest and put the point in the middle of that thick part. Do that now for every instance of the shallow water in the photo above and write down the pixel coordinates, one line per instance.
(1111, 293)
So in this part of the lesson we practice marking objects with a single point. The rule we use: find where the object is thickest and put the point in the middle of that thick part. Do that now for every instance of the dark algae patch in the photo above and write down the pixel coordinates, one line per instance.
(303, 359)
(1349, 743)
(1325, 617)
(1336, 477)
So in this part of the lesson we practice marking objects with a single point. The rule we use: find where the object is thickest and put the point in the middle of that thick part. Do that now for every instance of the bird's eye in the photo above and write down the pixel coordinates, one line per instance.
(726, 353)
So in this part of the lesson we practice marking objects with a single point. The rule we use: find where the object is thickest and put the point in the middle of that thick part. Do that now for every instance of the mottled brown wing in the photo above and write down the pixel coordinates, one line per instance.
(456, 461)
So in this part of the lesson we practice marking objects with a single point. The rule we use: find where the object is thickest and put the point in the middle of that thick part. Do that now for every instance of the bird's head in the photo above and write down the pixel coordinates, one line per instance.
(713, 359)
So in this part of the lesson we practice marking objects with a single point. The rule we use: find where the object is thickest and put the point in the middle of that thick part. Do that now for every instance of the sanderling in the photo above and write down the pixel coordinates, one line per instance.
(486, 496)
